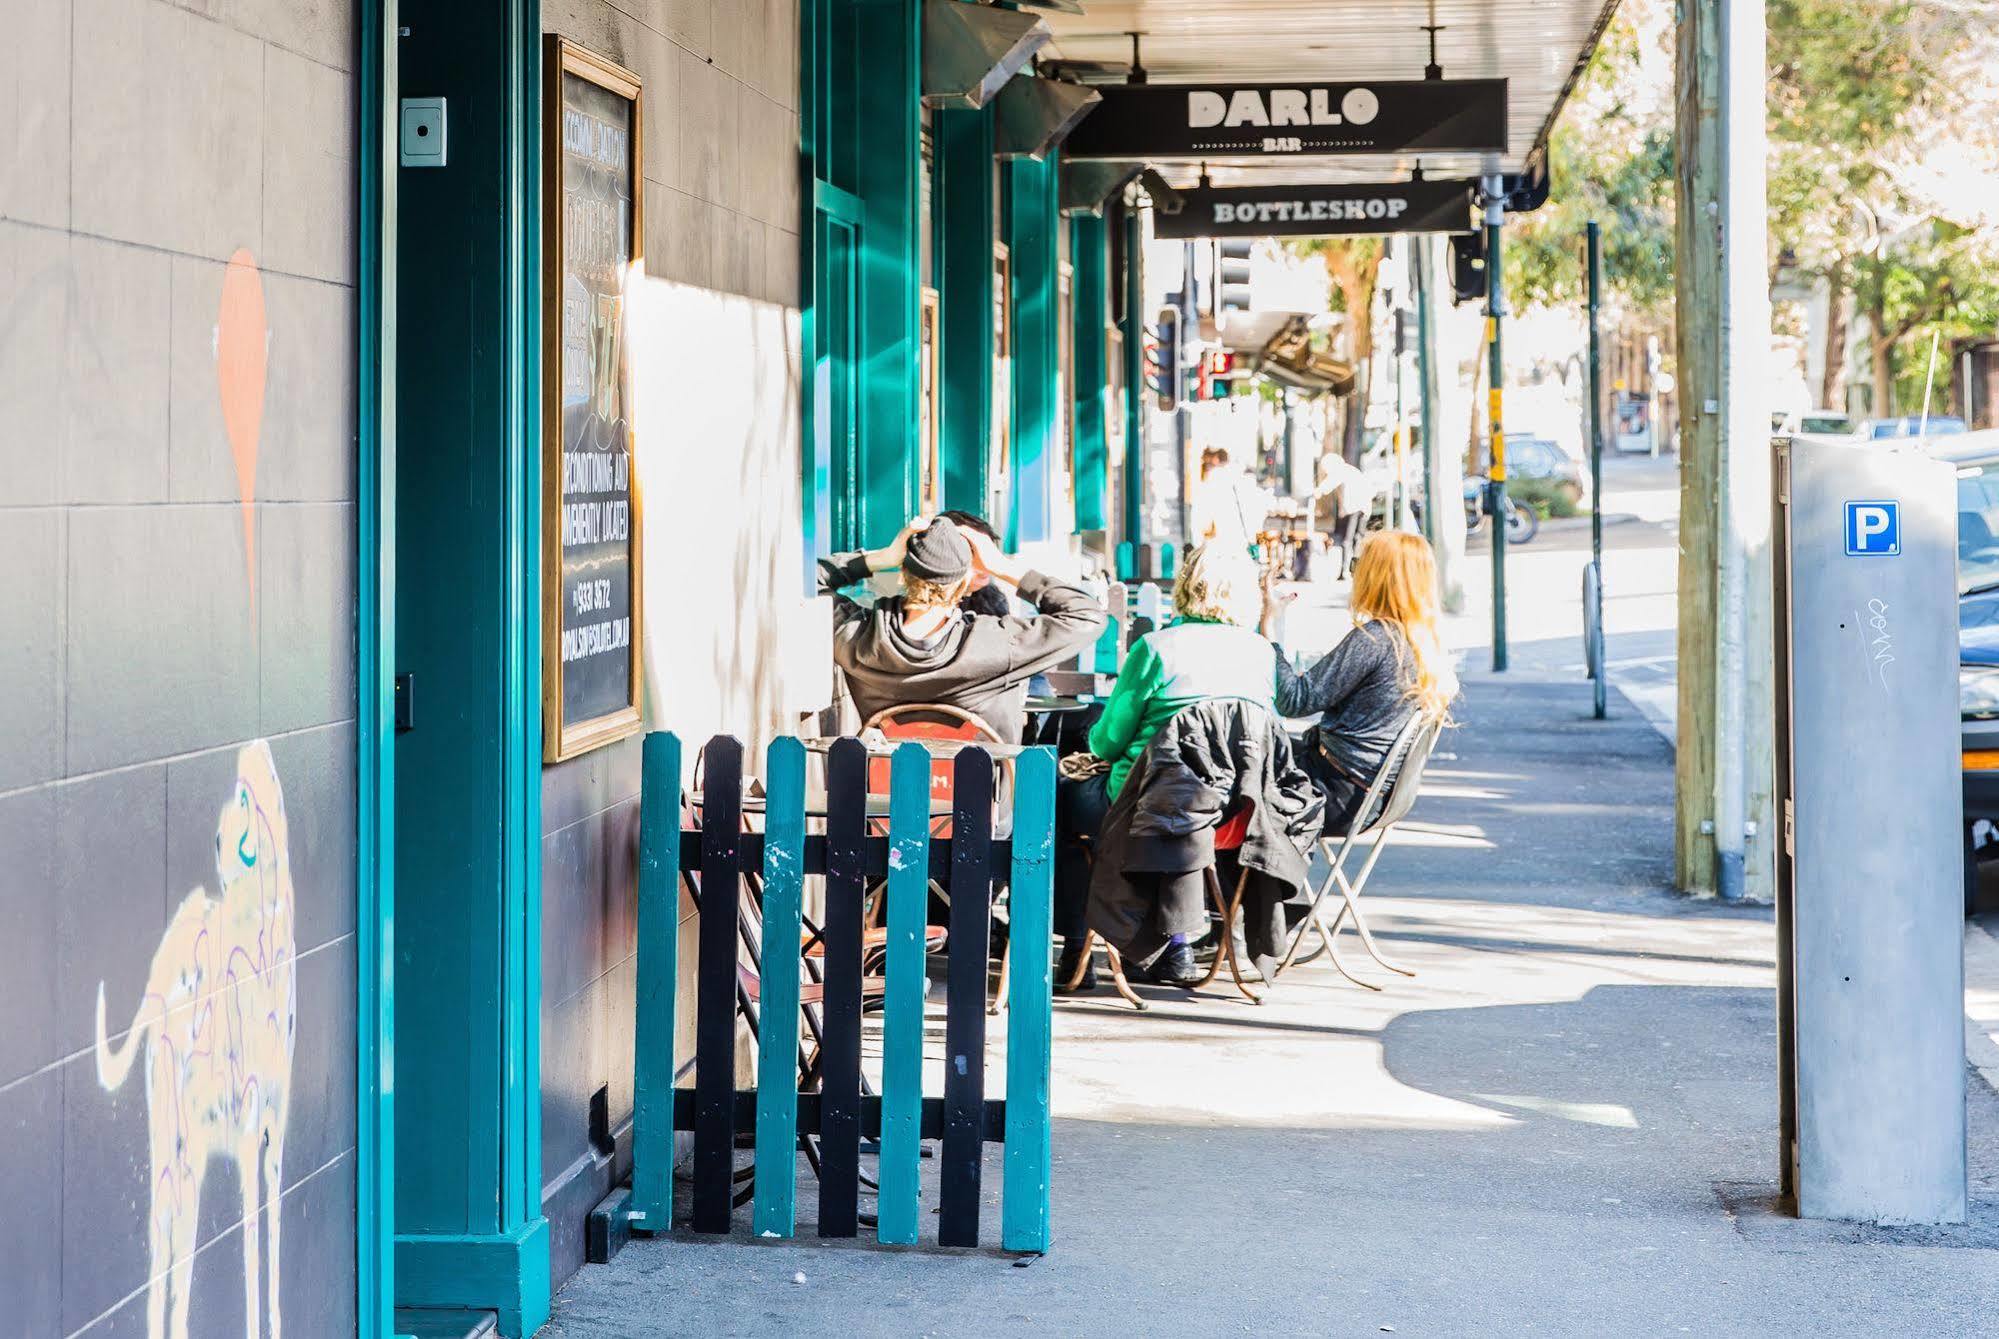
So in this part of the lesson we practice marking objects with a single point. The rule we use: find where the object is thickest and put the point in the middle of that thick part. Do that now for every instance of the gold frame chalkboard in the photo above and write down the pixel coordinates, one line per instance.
(562, 738)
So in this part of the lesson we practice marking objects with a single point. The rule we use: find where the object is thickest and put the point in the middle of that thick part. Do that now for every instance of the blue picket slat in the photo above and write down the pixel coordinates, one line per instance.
(1024, 1224)
(775, 1212)
(658, 950)
(902, 1025)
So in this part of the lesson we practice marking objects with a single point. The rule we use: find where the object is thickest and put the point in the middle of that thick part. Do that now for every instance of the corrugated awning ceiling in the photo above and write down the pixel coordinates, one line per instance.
(1537, 46)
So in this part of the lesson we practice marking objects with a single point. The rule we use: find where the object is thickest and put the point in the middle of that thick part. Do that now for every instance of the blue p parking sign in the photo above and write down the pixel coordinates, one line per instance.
(1873, 529)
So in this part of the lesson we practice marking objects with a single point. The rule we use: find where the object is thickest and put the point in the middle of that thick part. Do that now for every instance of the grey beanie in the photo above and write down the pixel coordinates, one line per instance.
(939, 553)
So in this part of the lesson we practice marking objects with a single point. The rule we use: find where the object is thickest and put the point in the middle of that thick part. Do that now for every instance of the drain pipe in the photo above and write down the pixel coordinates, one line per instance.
(1745, 727)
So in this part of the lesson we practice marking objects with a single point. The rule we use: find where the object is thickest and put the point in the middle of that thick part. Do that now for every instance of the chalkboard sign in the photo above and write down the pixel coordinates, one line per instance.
(591, 156)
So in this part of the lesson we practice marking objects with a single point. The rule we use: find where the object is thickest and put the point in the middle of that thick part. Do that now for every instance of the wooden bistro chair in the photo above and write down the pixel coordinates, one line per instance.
(1228, 837)
(1381, 809)
(937, 721)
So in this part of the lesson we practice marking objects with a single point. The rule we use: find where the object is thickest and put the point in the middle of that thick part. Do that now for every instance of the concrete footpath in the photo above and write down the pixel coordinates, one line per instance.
(1565, 1124)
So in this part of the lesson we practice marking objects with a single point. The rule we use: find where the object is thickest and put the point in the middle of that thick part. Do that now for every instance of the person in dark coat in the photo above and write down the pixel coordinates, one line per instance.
(1209, 651)
(1201, 766)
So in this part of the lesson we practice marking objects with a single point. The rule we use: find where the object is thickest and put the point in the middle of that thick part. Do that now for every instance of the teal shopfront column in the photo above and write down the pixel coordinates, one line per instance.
(1089, 258)
(861, 108)
(1031, 219)
(962, 197)
(469, 1231)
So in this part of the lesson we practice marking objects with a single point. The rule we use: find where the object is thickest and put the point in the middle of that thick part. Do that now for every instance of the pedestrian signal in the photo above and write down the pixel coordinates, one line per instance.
(1162, 360)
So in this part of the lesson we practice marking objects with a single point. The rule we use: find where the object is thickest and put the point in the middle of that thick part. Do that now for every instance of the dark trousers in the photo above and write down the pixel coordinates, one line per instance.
(1080, 807)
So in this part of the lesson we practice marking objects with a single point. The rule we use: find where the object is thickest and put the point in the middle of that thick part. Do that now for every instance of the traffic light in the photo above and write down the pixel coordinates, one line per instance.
(1162, 360)
(1231, 275)
(1217, 376)
(1467, 267)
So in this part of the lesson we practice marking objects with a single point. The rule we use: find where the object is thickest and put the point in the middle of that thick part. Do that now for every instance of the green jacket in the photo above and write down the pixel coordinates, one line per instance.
(1168, 669)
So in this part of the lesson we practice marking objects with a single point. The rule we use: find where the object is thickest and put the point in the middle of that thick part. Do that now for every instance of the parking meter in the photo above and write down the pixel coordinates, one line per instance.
(1870, 913)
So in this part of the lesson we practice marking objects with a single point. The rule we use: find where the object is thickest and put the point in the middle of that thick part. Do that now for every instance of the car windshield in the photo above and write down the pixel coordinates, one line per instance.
(1914, 427)
(1977, 526)
(1825, 423)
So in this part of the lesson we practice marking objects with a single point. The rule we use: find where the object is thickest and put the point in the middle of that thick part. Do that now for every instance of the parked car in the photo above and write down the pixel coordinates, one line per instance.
(1828, 422)
(1911, 425)
(1977, 463)
(1540, 458)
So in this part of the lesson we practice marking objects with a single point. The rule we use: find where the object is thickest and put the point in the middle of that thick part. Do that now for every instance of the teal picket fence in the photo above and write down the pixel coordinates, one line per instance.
(746, 861)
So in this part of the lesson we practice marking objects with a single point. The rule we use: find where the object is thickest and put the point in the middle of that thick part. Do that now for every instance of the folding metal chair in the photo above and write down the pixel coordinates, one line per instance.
(1381, 809)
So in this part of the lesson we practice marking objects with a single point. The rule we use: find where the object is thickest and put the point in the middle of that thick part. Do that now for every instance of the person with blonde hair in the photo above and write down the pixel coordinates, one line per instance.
(1391, 665)
(1212, 649)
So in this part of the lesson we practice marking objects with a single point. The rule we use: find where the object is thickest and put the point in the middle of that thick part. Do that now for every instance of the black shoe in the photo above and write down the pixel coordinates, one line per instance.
(1174, 967)
(1072, 957)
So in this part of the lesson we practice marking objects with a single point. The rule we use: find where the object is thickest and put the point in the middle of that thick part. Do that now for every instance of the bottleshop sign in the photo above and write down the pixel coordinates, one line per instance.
(1319, 211)
(1192, 121)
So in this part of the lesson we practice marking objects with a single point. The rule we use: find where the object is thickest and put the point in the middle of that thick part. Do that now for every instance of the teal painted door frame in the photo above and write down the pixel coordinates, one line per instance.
(1031, 220)
(374, 676)
(1132, 318)
(860, 127)
(964, 209)
(465, 826)
(1089, 259)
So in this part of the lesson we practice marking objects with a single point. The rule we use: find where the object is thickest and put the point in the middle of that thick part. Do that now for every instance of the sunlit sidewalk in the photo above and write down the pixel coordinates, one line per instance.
(1564, 1124)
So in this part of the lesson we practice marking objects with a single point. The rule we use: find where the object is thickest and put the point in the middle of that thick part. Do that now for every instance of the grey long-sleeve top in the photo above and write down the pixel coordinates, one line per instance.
(1359, 692)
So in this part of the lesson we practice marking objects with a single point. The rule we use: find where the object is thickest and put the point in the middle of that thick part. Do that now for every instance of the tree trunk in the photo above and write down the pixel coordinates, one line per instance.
(1882, 347)
(1832, 380)
(1355, 407)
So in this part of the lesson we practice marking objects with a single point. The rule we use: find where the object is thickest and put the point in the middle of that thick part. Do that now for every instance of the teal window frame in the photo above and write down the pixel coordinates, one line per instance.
(1032, 217)
(861, 143)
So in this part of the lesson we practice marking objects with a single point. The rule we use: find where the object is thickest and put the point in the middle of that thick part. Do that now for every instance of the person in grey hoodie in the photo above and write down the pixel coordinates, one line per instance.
(922, 646)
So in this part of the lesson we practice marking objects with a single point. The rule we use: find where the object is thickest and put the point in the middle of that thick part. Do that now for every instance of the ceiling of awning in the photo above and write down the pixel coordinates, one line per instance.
(1538, 46)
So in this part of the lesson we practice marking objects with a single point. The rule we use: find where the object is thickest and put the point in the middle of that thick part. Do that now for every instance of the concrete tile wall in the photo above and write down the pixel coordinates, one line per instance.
(721, 206)
(721, 132)
(150, 634)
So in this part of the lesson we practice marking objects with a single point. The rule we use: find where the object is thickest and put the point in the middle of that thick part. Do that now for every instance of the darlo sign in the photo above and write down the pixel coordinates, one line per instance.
(1319, 211)
(1169, 121)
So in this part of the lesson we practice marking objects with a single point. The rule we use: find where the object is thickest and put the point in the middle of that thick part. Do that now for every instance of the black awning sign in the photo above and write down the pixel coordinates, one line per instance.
(1192, 121)
(1318, 211)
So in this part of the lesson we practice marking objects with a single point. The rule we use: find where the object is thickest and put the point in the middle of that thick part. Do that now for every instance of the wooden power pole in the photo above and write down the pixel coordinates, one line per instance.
(1723, 822)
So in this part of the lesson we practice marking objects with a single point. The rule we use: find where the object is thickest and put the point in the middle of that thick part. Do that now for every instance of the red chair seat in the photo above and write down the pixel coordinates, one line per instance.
(1229, 836)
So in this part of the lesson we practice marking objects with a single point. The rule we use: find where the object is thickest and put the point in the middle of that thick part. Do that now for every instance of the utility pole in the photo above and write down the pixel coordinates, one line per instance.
(1183, 420)
(1724, 764)
(1419, 271)
(1495, 311)
(1443, 451)
(1401, 513)
(1290, 488)
(1593, 245)
(1134, 377)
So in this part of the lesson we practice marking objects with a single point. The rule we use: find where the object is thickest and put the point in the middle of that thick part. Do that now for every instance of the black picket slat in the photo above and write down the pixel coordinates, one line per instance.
(715, 991)
(965, 997)
(840, 1073)
(874, 854)
(992, 1125)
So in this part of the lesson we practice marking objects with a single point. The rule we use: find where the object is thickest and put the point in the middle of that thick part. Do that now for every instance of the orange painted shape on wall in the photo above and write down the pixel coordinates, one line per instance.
(240, 357)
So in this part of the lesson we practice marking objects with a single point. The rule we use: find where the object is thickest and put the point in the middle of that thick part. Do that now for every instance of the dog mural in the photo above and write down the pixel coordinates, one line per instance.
(216, 1028)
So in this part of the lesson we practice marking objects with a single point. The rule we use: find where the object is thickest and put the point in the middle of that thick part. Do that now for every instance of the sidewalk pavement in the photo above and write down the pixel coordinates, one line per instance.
(1565, 1124)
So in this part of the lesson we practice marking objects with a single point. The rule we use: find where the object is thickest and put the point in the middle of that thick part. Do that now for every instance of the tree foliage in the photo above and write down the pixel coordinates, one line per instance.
(1883, 122)
(1611, 160)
